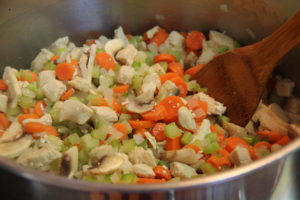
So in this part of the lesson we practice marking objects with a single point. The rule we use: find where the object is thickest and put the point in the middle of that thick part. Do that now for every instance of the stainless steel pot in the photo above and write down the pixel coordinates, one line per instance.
(27, 26)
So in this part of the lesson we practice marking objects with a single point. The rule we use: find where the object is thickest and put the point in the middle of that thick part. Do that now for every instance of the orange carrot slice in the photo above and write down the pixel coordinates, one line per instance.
(64, 71)
(105, 61)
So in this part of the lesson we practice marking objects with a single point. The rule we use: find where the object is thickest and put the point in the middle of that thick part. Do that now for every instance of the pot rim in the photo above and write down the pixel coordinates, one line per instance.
(84, 186)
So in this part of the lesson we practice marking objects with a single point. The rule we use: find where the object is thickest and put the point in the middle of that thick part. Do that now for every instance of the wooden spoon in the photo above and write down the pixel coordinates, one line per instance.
(238, 78)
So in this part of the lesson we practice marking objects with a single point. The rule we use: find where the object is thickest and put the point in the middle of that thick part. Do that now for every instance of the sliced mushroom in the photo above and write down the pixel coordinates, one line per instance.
(39, 157)
(167, 89)
(182, 170)
(143, 170)
(234, 130)
(278, 111)
(3, 102)
(80, 84)
(15, 148)
(100, 152)
(53, 90)
(213, 107)
(186, 118)
(13, 132)
(151, 32)
(187, 156)
(108, 165)
(112, 46)
(126, 55)
(140, 155)
(240, 156)
(69, 162)
(151, 139)
(126, 167)
(125, 74)
(150, 83)
(141, 103)
(14, 89)
(105, 113)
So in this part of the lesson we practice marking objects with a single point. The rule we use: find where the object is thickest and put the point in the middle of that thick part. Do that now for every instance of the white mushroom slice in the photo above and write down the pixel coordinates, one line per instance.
(269, 120)
(220, 39)
(240, 156)
(83, 66)
(142, 170)
(41, 59)
(39, 157)
(140, 155)
(119, 34)
(182, 170)
(186, 119)
(138, 138)
(108, 165)
(175, 39)
(151, 32)
(15, 148)
(127, 55)
(234, 130)
(203, 130)
(213, 107)
(150, 83)
(141, 103)
(61, 42)
(80, 84)
(125, 74)
(91, 61)
(69, 162)
(3, 102)
(190, 59)
(167, 89)
(274, 107)
(75, 111)
(105, 113)
(157, 68)
(292, 105)
(100, 152)
(126, 167)
(151, 139)
(45, 119)
(13, 132)
(114, 45)
(54, 89)
(45, 77)
(207, 54)
(187, 156)
(14, 89)
(294, 129)
(284, 87)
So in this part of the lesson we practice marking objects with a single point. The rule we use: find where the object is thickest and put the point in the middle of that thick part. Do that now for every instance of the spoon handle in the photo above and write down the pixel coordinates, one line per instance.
(264, 55)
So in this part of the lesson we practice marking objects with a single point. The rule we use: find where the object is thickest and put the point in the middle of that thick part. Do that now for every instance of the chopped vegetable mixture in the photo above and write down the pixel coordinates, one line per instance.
(125, 110)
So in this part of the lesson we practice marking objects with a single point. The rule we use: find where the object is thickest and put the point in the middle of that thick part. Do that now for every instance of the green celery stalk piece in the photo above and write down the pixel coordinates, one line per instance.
(26, 102)
(137, 81)
(88, 142)
(128, 178)
(128, 145)
(208, 168)
(223, 49)
(83, 156)
(100, 134)
(212, 148)
(187, 138)
(73, 139)
(172, 131)
(13, 111)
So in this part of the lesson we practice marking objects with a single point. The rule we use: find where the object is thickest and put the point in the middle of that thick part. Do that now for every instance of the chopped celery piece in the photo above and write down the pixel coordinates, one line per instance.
(89, 178)
(174, 180)
(211, 137)
(136, 65)
(55, 165)
(117, 67)
(28, 93)
(176, 53)
(194, 86)
(102, 125)
(54, 113)
(116, 144)
(135, 40)
(59, 51)
(50, 66)
(26, 75)
(88, 142)
(96, 72)
(99, 134)
(124, 117)
(163, 163)
(187, 138)
(197, 143)
(39, 94)
(224, 118)
(73, 139)
(99, 50)
(251, 139)
(83, 156)
(128, 126)
(26, 102)
(144, 144)
(76, 98)
(236, 44)
(149, 59)
(164, 65)
(208, 168)
(223, 49)
(64, 148)
(128, 145)
(13, 111)
(110, 79)
(137, 81)
(106, 178)
(186, 77)
(32, 87)
(172, 131)
(48, 102)
(128, 178)
(213, 147)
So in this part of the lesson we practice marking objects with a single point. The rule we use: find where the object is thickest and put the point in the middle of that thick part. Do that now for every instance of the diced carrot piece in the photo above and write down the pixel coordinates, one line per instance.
(150, 180)
(67, 94)
(194, 70)
(4, 122)
(90, 42)
(3, 85)
(26, 110)
(177, 80)
(172, 104)
(159, 112)
(192, 146)
(116, 106)
(105, 61)
(158, 132)
(64, 71)
(284, 140)
(173, 144)
(140, 131)
(122, 128)
(74, 62)
(39, 108)
(272, 136)
(121, 89)
(99, 101)
(218, 162)
(159, 37)
(138, 124)
(164, 57)
(232, 142)
(176, 68)
(194, 40)
(21, 118)
(162, 172)
(54, 58)
(263, 144)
